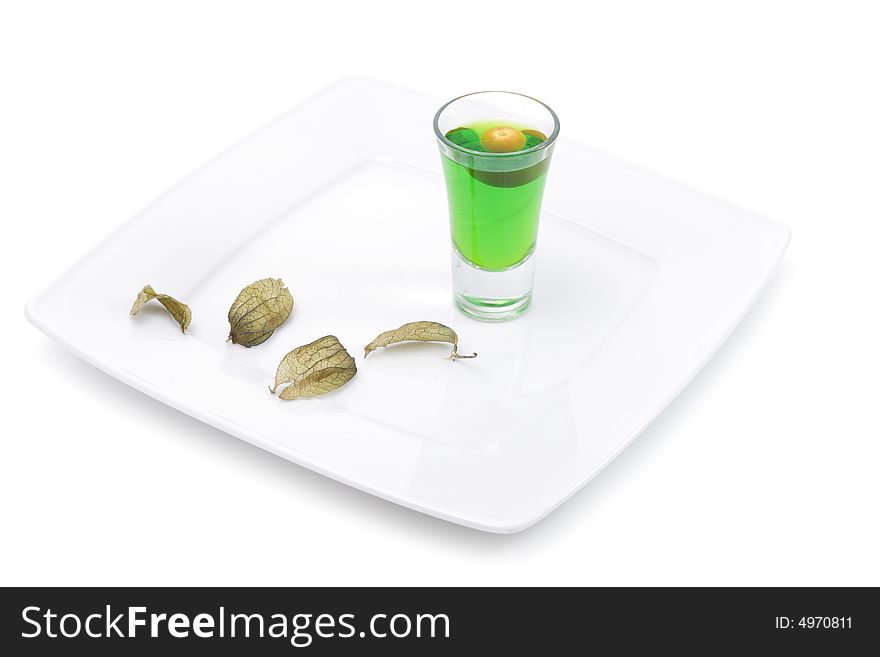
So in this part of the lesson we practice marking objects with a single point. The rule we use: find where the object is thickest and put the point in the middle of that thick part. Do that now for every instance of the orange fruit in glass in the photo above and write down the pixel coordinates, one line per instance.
(503, 139)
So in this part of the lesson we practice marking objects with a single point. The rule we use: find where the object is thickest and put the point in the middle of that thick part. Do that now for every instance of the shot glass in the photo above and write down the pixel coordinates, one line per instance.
(495, 147)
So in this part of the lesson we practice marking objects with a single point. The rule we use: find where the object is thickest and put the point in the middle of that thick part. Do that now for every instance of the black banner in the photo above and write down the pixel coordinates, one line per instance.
(419, 621)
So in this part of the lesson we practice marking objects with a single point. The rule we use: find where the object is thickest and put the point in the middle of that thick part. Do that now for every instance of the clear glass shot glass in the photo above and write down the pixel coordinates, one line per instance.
(496, 148)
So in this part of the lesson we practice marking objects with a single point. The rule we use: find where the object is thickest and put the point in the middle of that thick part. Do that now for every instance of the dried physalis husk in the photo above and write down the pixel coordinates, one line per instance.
(314, 369)
(180, 311)
(418, 332)
(258, 310)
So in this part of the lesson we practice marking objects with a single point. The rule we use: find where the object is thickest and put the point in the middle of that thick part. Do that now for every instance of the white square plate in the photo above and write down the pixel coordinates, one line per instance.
(639, 282)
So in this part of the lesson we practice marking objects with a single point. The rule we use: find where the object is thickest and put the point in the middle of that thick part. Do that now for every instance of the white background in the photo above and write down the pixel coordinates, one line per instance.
(766, 470)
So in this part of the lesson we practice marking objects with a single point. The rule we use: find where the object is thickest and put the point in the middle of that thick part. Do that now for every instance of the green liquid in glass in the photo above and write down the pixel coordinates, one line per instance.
(494, 214)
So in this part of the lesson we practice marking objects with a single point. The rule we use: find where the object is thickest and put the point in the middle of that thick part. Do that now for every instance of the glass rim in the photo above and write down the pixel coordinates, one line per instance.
(534, 149)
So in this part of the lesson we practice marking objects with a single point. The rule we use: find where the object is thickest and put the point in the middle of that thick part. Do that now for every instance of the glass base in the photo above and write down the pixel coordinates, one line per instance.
(489, 311)
(492, 296)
